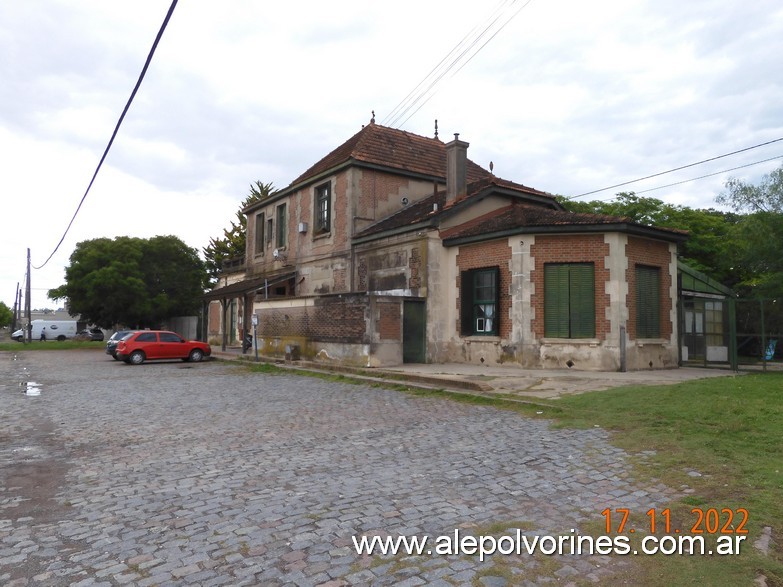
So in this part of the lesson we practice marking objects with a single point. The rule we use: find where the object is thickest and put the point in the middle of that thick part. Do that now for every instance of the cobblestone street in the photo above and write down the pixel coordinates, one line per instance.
(207, 474)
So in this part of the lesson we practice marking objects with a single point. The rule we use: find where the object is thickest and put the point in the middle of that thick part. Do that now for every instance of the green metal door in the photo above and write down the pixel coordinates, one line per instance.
(413, 332)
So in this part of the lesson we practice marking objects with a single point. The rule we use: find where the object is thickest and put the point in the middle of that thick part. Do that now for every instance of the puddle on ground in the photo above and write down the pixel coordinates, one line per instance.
(30, 387)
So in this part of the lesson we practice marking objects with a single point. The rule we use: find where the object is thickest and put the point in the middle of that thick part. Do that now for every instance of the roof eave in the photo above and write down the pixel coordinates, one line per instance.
(425, 225)
(525, 195)
(634, 230)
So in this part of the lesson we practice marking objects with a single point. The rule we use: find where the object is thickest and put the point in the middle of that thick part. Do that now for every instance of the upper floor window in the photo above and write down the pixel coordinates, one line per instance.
(648, 302)
(282, 224)
(260, 227)
(569, 300)
(323, 208)
(480, 301)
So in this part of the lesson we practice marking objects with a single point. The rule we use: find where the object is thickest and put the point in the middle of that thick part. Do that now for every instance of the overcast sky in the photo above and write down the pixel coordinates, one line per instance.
(566, 96)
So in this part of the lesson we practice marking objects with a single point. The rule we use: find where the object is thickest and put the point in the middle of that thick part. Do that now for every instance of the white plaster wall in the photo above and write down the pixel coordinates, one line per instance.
(441, 301)
(617, 287)
(522, 288)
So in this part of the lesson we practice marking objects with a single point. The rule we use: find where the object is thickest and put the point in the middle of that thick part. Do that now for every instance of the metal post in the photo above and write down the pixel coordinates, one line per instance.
(17, 301)
(254, 319)
(623, 359)
(763, 338)
(733, 352)
(28, 309)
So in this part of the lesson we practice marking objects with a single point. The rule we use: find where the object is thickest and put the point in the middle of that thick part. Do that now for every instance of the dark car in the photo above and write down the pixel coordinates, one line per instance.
(111, 344)
(151, 345)
(95, 334)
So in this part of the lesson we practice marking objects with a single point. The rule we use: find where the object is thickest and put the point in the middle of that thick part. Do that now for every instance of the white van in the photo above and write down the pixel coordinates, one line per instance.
(53, 329)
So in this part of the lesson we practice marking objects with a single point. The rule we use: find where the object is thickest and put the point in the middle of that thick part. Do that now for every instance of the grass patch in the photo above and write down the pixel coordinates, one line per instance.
(52, 345)
(720, 437)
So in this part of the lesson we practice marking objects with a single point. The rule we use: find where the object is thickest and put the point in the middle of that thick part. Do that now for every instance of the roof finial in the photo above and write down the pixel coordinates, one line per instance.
(491, 167)
(436, 128)
(372, 120)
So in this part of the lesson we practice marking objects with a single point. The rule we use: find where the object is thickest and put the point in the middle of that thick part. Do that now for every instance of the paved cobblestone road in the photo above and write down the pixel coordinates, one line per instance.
(206, 474)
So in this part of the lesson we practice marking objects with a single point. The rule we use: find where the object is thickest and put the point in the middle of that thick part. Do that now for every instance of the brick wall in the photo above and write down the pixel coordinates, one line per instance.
(389, 323)
(376, 188)
(642, 251)
(485, 255)
(571, 249)
(332, 318)
(213, 328)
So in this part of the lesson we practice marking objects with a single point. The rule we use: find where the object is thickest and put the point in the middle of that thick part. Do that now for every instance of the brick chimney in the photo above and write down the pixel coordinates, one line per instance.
(456, 169)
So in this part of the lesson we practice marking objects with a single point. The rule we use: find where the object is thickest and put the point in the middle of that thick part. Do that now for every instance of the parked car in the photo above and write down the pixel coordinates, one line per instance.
(91, 334)
(149, 345)
(111, 344)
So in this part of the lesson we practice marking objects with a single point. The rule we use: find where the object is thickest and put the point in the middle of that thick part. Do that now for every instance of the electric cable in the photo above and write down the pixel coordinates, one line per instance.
(678, 169)
(468, 60)
(116, 129)
(460, 53)
(394, 111)
(693, 178)
(410, 101)
(709, 175)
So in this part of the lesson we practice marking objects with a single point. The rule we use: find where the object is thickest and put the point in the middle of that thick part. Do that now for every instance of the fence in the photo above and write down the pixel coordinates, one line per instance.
(759, 333)
(740, 334)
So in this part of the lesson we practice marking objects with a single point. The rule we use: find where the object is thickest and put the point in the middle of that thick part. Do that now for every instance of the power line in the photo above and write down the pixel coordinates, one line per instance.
(390, 118)
(710, 174)
(678, 169)
(468, 60)
(116, 128)
(459, 52)
(694, 178)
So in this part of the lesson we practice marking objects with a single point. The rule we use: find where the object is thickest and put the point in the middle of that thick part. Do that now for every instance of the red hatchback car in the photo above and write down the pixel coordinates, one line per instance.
(150, 345)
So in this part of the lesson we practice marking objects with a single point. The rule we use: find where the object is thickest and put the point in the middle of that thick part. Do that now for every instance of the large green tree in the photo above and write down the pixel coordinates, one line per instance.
(132, 281)
(6, 314)
(232, 244)
(757, 241)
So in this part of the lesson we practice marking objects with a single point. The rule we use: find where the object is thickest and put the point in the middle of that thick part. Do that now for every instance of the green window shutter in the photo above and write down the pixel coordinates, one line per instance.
(556, 301)
(496, 281)
(569, 300)
(648, 302)
(582, 300)
(466, 303)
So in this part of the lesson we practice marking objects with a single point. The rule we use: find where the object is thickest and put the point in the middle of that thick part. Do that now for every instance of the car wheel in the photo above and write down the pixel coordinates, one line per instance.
(136, 358)
(195, 355)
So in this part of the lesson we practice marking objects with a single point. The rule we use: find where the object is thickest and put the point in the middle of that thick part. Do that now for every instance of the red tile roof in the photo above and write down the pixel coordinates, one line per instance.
(392, 148)
(520, 215)
(424, 210)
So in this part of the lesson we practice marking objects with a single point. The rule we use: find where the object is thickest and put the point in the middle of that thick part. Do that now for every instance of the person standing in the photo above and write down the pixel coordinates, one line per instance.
(43, 334)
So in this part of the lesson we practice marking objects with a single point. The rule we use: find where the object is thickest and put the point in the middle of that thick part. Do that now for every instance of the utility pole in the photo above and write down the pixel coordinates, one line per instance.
(16, 308)
(27, 302)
